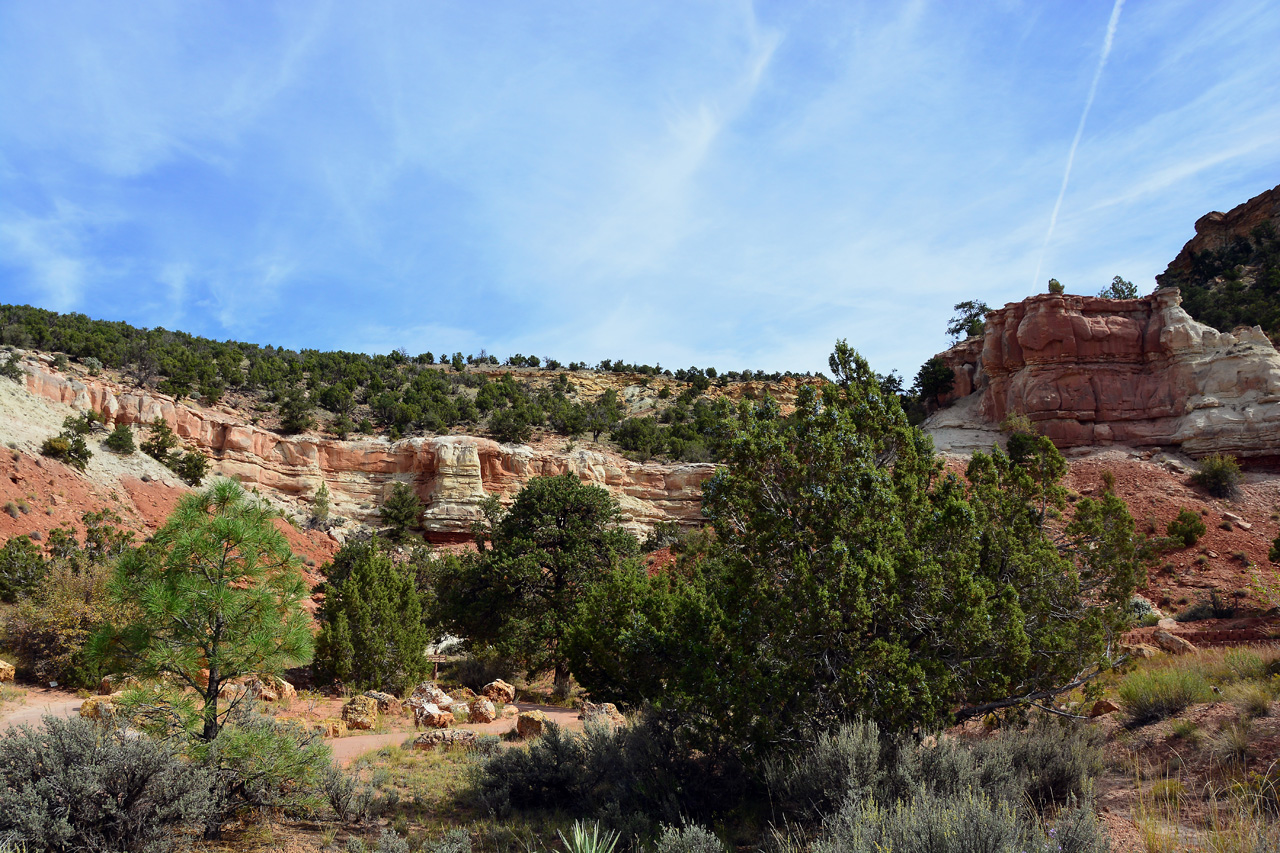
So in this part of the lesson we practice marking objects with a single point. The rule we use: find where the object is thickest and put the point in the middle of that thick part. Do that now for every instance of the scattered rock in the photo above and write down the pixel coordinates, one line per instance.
(452, 737)
(481, 711)
(6, 671)
(329, 727)
(604, 712)
(1139, 650)
(1172, 643)
(99, 707)
(432, 716)
(531, 724)
(387, 704)
(231, 690)
(361, 712)
(509, 711)
(1103, 707)
(286, 691)
(499, 691)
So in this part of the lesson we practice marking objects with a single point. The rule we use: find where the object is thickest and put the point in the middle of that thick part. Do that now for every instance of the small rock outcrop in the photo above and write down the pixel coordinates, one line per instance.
(100, 708)
(361, 712)
(499, 691)
(387, 704)
(605, 713)
(450, 737)
(481, 711)
(330, 727)
(531, 724)
(1140, 372)
(1173, 644)
(1216, 230)
(6, 671)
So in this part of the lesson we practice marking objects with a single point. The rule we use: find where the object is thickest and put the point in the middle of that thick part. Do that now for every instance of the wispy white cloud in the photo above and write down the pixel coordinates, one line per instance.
(737, 183)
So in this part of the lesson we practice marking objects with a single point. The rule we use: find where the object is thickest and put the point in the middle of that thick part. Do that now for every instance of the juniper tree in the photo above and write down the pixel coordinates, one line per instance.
(372, 634)
(850, 575)
(400, 511)
(217, 594)
(520, 593)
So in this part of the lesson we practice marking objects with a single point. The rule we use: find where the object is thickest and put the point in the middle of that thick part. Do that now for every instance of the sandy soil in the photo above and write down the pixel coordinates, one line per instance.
(38, 702)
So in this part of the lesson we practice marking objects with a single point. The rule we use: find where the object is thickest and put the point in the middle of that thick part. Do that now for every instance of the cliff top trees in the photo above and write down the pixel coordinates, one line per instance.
(216, 590)
(968, 321)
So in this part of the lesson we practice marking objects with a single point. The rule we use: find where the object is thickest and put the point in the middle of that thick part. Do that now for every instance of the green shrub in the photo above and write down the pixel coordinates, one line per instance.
(1187, 528)
(1158, 693)
(10, 369)
(838, 764)
(21, 567)
(77, 785)
(372, 635)
(1043, 764)
(390, 842)
(120, 440)
(263, 764)
(1219, 475)
(192, 466)
(161, 441)
(68, 448)
(49, 631)
(690, 838)
(967, 823)
(514, 425)
(1253, 699)
(630, 779)
(401, 511)
(453, 841)
(1213, 607)
(583, 838)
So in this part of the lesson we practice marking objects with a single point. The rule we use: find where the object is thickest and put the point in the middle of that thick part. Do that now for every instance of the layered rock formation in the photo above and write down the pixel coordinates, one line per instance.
(1216, 230)
(1092, 371)
(452, 474)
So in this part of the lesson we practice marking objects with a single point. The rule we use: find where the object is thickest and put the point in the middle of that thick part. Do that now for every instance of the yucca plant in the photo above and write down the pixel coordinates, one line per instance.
(588, 838)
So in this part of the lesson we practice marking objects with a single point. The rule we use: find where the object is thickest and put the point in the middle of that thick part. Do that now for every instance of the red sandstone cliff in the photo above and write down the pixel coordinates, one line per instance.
(1092, 371)
(1216, 230)
(452, 474)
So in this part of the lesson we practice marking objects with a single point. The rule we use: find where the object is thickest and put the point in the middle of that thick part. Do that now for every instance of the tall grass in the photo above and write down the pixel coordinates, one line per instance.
(1166, 686)
(1148, 695)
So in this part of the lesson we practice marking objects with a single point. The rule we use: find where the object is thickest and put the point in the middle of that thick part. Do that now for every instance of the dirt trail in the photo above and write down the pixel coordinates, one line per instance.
(38, 702)
(347, 749)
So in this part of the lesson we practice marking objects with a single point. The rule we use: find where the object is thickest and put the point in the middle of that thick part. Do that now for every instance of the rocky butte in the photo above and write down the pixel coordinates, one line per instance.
(453, 474)
(1092, 371)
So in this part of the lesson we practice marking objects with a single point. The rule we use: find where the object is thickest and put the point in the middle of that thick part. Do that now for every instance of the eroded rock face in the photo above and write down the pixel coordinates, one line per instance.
(452, 474)
(1093, 371)
(1215, 230)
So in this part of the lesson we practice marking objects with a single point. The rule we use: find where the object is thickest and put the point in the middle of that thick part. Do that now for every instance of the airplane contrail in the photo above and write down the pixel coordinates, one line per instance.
(1075, 143)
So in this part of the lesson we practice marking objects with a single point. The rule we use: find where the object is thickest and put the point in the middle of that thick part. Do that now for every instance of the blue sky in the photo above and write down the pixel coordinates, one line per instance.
(731, 184)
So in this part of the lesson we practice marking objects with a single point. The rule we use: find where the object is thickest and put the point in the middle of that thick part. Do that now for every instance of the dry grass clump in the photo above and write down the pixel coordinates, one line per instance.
(1166, 686)
(1148, 695)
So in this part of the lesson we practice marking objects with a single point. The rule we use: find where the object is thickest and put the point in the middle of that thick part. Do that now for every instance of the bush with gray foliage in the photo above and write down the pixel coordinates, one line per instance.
(78, 785)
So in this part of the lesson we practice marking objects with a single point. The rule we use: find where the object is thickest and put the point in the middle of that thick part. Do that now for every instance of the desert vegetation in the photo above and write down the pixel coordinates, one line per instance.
(862, 650)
